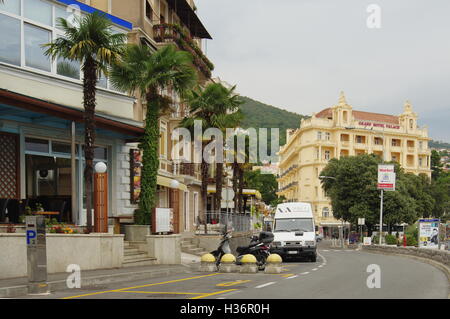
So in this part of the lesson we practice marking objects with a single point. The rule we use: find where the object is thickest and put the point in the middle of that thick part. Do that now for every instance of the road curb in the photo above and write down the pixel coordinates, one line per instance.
(436, 264)
(92, 282)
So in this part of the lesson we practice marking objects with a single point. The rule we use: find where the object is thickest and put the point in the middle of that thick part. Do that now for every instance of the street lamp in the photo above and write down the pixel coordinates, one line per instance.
(101, 198)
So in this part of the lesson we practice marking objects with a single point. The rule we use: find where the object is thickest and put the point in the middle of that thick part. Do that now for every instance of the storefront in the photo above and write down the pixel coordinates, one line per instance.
(42, 159)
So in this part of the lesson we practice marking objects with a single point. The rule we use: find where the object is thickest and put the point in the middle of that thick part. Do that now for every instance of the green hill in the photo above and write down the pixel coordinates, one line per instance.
(260, 115)
(439, 145)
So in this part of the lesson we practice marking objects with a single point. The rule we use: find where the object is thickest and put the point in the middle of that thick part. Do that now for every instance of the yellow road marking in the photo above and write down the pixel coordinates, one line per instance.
(232, 283)
(142, 286)
(213, 293)
(287, 275)
(163, 293)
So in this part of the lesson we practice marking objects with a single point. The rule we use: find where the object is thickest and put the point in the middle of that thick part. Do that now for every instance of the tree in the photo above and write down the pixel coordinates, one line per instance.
(214, 107)
(266, 183)
(150, 74)
(96, 46)
(436, 165)
(354, 192)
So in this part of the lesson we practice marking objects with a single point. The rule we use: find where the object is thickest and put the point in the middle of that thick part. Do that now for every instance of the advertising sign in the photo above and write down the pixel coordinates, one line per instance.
(429, 233)
(367, 241)
(164, 220)
(361, 221)
(386, 177)
(135, 174)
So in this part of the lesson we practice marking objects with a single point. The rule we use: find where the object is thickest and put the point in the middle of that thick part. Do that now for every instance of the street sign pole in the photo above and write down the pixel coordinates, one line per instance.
(381, 218)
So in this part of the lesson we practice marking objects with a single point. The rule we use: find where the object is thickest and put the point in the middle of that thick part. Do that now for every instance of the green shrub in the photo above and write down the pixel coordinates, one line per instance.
(141, 217)
(390, 239)
(411, 241)
(375, 239)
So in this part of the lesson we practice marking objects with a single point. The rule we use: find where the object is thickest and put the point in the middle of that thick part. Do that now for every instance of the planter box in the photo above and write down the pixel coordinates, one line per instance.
(93, 251)
(136, 232)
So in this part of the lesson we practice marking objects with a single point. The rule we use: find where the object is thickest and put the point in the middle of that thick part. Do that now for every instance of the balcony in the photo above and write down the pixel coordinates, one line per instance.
(173, 33)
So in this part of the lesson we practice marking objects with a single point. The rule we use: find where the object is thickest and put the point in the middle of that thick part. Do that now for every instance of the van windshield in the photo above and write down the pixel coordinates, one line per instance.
(294, 224)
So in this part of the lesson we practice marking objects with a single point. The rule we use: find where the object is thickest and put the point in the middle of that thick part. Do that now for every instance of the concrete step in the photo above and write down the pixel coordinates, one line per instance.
(188, 246)
(146, 261)
(133, 253)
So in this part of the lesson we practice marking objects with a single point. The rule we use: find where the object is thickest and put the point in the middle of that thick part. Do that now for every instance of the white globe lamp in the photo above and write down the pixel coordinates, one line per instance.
(100, 168)
(174, 183)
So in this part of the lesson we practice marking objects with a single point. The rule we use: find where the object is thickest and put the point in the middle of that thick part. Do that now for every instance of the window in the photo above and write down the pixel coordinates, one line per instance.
(34, 53)
(360, 139)
(378, 141)
(327, 136)
(319, 135)
(327, 155)
(396, 142)
(163, 140)
(420, 161)
(11, 6)
(148, 11)
(325, 212)
(10, 40)
(68, 68)
(63, 148)
(36, 145)
(39, 11)
(411, 124)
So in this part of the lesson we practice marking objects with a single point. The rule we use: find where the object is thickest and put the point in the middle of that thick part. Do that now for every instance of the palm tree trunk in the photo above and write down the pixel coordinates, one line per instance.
(89, 102)
(241, 188)
(204, 188)
(235, 185)
(150, 158)
(219, 182)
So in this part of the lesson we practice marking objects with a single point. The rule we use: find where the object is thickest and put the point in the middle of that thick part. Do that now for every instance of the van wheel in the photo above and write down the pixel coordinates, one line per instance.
(313, 258)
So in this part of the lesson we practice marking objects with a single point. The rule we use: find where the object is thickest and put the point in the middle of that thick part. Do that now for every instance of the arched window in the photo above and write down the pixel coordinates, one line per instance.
(325, 212)
(411, 124)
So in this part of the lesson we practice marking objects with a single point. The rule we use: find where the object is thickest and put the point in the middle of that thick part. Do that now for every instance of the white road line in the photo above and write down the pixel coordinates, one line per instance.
(295, 276)
(314, 269)
(265, 285)
(325, 250)
(304, 273)
(320, 266)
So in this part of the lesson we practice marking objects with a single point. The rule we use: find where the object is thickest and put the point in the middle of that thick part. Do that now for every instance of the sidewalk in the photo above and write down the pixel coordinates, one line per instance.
(16, 287)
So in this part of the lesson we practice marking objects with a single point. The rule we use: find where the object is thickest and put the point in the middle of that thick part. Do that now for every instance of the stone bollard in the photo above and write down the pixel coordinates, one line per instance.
(208, 263)
(273, 264)
(227, 263)
(249, 264)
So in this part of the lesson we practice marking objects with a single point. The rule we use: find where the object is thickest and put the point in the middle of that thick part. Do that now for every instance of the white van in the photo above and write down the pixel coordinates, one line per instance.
(294, 231)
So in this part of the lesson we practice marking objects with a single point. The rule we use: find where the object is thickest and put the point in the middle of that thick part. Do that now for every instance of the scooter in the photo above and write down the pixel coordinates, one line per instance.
(259, 247)
(224, 246)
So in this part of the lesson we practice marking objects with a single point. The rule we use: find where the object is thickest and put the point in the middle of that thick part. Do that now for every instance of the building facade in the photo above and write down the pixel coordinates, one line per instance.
(41, 112)
(342, 131)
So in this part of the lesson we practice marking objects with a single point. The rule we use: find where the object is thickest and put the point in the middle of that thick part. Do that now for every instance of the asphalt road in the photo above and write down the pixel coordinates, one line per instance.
(336, 274)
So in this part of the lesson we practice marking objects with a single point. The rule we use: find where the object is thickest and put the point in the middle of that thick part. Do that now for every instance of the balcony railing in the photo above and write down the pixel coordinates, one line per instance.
(173, 33)
(187, 169)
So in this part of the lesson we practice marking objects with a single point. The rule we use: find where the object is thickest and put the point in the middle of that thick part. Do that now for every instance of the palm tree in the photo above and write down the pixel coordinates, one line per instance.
(215, 107)
(151, 73)
(94, 44)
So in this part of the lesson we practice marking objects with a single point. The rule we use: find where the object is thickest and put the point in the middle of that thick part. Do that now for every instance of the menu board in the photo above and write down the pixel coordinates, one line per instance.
(135, 174)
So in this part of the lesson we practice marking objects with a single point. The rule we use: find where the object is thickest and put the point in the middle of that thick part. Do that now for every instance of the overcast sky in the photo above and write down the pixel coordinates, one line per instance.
(299, 54)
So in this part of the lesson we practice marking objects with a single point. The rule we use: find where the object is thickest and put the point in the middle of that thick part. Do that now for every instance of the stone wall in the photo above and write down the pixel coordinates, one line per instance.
(93, 251)
(122, 188)
(441, 256)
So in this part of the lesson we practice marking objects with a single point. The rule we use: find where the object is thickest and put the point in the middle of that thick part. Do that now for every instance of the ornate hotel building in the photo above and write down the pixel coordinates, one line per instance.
(341, 131)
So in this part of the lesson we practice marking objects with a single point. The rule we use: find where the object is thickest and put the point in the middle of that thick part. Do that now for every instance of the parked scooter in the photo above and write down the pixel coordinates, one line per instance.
(259, 247)
(224, 246)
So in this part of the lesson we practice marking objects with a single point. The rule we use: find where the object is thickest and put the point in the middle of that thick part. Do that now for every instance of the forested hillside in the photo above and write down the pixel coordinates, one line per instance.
(260, 115)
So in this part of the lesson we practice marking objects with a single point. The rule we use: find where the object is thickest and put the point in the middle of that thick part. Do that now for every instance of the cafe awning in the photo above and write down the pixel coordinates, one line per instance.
(166, 182)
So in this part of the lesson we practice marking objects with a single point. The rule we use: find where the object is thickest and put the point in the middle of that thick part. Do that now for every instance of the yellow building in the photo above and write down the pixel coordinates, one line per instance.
(341, 131)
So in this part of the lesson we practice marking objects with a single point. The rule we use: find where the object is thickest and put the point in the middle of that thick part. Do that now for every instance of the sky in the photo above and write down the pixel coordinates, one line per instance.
(299, 54)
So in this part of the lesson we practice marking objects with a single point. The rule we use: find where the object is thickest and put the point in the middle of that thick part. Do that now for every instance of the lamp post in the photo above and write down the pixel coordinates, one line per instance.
(100, 198)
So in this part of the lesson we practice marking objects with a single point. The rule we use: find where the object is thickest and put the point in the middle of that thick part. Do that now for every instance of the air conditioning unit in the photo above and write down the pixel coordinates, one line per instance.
(45, 175)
